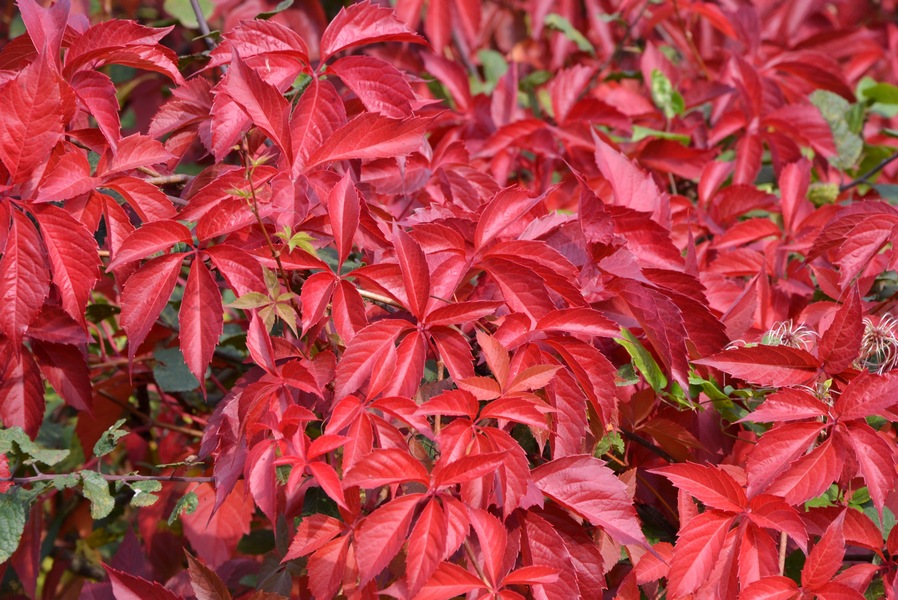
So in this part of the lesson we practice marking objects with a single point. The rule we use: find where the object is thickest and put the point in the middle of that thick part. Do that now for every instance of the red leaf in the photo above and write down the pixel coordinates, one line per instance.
(371, 135)
(579, 321)
(840, 344)
(382, 534)
(316, 294)
(461, 313)
(363, 351)
(201, 318)
(378, 84)
(506, 208)
(775, 366)
(534, 574)
(97, 92)
(426, 545)
(148, 239)
(454, 351)
(318, 114)
(787, 405)
(493, 538)
(148, 201)
(206, 584)
(70, 177)
(415, 273)
(867, 395)
(24, 279)
(810, 475)
(343, 206)
(587, 487)
(467, 468)
(258, 37)
(327, 566)
(542, 544)
(145, 295)
(73, 258)
(21, 390)
(876, 460)
(593, 372)
(773, 513)
(67, 371)
(861, 244)
(261, 101)
(131, 587)
(35, 107)
(385, 467)
(825, 558)
(770, 588)
(134, 151)
(314, 532)
(712, 486)
(259, 472)
(449, 581)
(632, 188)
(776, 451)
(698, 547)
(364, 23)
(215, 536)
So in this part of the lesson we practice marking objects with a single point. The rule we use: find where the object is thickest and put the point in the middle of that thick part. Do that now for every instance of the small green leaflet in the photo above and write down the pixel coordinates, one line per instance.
(836, 112)
(559, 23)
(31, 452)
(96, 489)
(143, 492)
(666, 98)
(183, 11)
(643, 360)
(171, 372)
(188, 503)
(13, 513)
(110, 438)
(640, 133)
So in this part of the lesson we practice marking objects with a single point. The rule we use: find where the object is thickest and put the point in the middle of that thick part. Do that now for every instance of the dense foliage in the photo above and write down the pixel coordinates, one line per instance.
(500, 299)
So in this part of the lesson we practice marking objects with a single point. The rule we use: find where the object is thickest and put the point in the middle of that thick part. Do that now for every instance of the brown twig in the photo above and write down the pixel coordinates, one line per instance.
(125, 478)
(201, 22)
(374, 297)
(866, 176)
(782, 556)
(168, 179)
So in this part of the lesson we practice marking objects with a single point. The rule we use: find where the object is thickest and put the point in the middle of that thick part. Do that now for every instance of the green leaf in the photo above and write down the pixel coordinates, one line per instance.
(888, 519)
(143, 492)
(110, 438)
(559, 23)
(494, 68)
(643, 360)
(666, 98)
(96, 489)
(30, 451)
(66, 481)
(282, 6)
(640, 133)
(611, 441)
(171, 371)
(250, 300)
(835, 110)
(188, 503)
(13, 513)
(183, 11)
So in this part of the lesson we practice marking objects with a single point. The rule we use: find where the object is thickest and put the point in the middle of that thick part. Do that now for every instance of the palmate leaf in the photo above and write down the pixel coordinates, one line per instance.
(765, 365)
(364, 23)
(587, 487)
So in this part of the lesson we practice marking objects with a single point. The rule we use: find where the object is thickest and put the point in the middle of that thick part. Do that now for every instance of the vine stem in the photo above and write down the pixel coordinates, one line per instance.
(125, 478)
(866, 176)
(378, 298)
(254, 207)
(782, 557)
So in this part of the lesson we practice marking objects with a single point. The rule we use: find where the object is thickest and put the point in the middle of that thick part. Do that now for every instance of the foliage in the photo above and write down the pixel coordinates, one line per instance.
(495, 299)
